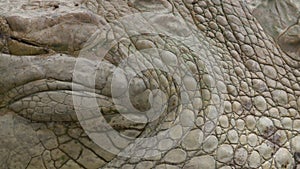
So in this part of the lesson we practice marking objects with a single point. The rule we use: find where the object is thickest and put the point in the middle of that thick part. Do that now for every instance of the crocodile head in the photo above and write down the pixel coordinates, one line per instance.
(144, 84)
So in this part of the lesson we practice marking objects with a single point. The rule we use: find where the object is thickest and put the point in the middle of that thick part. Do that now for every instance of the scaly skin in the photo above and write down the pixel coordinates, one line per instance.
(243, 110)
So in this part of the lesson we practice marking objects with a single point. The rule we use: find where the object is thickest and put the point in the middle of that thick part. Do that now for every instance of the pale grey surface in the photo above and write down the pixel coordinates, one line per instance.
(242, 91)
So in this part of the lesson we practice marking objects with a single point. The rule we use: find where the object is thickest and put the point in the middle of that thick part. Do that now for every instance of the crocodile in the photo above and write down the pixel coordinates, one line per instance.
(144, 84)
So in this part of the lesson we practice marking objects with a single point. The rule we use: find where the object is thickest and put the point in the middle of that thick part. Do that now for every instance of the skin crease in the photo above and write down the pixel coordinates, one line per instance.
(248, 116)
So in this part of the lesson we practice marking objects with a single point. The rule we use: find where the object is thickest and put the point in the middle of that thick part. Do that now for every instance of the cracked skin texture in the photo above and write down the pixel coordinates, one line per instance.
(257, 84)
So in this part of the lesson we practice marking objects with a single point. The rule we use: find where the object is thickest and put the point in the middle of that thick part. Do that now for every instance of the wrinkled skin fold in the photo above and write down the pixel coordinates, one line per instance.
(199, 80)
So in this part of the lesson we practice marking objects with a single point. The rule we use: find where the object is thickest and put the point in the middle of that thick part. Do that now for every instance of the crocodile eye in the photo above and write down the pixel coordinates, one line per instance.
(147, 91)
(45, 105)
(38, 88)
(153, 88)
(128, 102)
